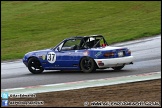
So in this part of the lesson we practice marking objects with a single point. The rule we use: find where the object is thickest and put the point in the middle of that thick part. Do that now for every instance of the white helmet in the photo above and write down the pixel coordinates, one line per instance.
(90, 39)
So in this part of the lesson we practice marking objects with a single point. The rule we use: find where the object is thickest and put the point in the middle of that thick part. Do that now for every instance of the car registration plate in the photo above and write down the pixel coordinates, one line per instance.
(120, 54)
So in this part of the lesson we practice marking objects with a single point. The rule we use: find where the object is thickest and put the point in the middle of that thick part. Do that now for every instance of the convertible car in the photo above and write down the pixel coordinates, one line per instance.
(85, 53)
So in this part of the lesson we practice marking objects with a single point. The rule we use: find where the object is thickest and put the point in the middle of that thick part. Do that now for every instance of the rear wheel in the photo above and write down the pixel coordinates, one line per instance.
(35, 66)
(118, 67)
(87, 65)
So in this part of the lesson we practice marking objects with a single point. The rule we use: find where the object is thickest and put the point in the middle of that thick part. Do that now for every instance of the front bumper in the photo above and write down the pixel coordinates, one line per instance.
(25, 62)
(113, 62)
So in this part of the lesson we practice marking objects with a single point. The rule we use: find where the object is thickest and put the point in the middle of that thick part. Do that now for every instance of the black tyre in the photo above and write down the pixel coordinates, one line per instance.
(118, 67)
(87, 65)
(35, 66)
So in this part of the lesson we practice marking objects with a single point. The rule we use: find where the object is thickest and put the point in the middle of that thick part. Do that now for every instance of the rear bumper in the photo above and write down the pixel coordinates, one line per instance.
(113, 62)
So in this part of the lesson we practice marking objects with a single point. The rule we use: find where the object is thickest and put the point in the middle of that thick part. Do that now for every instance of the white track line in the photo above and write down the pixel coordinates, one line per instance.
(83, 84)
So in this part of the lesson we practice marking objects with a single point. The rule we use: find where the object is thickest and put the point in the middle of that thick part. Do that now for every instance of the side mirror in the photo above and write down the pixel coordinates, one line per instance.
(58, 49)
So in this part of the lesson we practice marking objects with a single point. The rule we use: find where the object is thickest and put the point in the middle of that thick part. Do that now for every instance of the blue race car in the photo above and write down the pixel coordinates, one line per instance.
(85, 53)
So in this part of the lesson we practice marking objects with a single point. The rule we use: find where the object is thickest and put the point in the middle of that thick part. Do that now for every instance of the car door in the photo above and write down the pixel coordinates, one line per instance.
(67, 59)
(65, 56)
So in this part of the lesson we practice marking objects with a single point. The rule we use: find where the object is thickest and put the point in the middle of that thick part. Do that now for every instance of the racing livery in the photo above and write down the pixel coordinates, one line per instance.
(85, 53)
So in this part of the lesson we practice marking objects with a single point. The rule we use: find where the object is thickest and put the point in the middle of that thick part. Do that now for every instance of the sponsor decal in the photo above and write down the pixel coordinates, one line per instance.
(86, 53)
(98, 54)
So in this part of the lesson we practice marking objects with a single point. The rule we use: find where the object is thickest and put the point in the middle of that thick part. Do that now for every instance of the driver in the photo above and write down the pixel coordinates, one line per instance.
(90, 42)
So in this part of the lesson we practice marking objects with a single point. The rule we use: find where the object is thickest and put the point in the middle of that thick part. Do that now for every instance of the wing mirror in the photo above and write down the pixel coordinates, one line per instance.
(58, 49)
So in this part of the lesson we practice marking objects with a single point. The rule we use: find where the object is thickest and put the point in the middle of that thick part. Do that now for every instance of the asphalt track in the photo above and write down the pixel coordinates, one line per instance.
(147, 59)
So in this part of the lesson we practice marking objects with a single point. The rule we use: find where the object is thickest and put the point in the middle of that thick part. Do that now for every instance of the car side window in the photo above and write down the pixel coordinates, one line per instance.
(72, 44)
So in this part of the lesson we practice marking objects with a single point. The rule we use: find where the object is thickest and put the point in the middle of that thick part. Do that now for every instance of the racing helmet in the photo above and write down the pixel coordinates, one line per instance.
(90, 39)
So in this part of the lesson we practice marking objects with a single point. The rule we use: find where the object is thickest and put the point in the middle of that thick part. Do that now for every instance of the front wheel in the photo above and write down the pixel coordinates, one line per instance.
(118, 67)
(35, 66)
(87, 65)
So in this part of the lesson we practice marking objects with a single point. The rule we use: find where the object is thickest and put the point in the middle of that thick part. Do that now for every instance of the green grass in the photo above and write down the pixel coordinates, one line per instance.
(34, 25)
